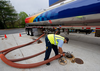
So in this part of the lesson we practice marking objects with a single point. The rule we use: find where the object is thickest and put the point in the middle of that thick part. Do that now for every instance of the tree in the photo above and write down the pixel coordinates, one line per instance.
(1, 25)
(22, 16)
(7, 13)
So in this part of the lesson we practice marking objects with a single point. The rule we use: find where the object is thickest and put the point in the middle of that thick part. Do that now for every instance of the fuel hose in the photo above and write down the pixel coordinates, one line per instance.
(16, 47)
(17, 65)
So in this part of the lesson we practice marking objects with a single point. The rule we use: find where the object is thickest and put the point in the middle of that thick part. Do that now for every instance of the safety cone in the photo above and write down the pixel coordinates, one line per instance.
(19, 34)
(5, 36)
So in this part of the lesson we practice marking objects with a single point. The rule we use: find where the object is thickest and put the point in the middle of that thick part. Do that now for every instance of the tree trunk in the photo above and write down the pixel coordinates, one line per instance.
(12, 23)
(1, 25)
(5, 24)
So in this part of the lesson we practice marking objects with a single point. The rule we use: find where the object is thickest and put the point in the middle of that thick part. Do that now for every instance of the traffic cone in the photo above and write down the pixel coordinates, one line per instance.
(19, 34)
(5, 36)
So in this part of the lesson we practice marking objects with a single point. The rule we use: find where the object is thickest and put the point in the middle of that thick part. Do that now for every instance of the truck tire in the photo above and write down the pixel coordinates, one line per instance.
(58, 32)
(30, 32)
(27, 31)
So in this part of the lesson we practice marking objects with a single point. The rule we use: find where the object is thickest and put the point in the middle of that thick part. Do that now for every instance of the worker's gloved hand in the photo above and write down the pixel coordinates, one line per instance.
(62, 55)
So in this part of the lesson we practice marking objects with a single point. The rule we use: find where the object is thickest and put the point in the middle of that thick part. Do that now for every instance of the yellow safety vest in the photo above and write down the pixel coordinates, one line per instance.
(53, 38)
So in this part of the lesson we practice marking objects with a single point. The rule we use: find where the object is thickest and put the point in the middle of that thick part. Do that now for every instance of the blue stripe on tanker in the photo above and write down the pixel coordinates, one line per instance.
(77, 8)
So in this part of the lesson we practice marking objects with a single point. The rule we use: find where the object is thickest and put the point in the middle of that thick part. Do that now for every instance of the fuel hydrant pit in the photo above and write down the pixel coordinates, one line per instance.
(62, 61)
(68, 55)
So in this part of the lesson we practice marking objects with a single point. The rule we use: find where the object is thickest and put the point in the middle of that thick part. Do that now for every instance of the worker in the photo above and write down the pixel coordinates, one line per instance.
(52, 41)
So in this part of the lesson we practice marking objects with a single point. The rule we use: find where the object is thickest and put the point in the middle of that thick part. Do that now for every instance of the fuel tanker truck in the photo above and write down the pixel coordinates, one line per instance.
(76, 15)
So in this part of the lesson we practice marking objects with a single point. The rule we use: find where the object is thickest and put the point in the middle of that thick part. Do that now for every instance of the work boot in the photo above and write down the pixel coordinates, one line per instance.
(48, 64)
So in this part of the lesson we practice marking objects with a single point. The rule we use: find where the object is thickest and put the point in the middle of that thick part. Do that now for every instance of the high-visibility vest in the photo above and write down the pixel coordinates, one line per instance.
(53, 38)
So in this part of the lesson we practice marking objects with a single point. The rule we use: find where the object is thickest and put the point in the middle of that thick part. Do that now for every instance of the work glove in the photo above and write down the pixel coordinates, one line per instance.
(62, 55)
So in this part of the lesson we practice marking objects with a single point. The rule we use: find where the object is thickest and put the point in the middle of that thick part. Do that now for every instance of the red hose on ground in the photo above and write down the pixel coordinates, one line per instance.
(16, 65)
(20, 59)
(13, 48)
(10, 63)
(21, 45)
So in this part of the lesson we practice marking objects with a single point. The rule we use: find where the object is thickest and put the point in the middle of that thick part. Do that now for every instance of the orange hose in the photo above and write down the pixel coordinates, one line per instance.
(7, 50)
(16, 47)
(20, 59)
(1, 55)
(10, 63)
(16, 65)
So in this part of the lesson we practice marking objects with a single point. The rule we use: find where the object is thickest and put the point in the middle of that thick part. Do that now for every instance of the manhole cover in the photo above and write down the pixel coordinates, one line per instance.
(78, 61)
(62, 61)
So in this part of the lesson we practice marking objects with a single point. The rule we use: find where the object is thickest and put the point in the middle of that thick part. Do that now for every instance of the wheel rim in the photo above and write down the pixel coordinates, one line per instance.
(30, 32)
(27, 32)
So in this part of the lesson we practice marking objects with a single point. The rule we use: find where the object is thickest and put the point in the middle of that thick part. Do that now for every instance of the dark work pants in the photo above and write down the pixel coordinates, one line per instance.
(49, 47)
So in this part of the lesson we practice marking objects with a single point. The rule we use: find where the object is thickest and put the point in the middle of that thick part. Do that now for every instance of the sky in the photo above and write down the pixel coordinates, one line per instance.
(30, 6)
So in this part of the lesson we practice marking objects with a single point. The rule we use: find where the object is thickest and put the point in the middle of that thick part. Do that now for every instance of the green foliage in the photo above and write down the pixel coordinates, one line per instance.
(9, 18)
(22, 16)
(7, 14)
